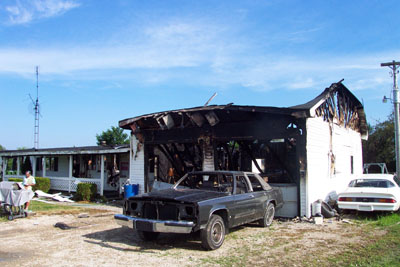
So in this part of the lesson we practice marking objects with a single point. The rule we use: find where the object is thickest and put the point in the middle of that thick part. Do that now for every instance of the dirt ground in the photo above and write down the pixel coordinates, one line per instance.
(98, 241)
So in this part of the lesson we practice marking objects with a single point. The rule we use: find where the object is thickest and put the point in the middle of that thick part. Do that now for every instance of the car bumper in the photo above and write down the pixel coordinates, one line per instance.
(149, 225)
(368, 206)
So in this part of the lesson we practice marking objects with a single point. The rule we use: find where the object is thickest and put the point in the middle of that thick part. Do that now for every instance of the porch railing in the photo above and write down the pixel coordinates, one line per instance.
(65, 183)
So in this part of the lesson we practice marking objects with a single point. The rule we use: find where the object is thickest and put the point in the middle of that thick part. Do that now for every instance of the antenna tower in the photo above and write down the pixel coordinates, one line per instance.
(37, 111)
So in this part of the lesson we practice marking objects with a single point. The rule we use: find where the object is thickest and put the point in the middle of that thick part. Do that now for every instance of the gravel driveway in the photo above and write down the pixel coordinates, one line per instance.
(98, 241)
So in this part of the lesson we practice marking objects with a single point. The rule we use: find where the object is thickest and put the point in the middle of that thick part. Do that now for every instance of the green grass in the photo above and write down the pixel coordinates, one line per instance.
(45, 208)
(383, 250)
(380, 246)
(38, 206)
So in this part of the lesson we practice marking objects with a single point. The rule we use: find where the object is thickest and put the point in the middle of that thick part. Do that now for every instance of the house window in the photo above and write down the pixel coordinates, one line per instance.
(52, 164)
(351, 165)
(39, 164)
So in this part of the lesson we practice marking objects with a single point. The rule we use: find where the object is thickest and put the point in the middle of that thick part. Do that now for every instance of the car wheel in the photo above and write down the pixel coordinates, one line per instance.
(213, 236)
(269, 214)
(147, 236)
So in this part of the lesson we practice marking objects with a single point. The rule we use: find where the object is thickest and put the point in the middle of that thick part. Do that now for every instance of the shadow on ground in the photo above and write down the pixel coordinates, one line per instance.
(126, 239)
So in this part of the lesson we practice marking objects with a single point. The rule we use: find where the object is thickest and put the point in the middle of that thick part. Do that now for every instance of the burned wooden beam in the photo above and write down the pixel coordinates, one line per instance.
(170, 158)
(178, 153)
(246, 148)
(190, 156)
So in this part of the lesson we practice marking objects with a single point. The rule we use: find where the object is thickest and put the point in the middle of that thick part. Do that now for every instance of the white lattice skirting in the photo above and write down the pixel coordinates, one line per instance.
(70, 185)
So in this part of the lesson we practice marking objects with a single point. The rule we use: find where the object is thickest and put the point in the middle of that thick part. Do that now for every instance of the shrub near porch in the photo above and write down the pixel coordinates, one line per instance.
(86, 191)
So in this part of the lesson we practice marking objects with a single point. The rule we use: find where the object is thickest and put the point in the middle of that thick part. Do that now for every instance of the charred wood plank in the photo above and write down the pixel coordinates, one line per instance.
(246, 148)
(170, 158)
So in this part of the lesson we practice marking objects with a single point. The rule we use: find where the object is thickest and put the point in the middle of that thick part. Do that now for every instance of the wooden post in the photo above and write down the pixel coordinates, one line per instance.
(44, 166)
(102, 175)
(70, 172)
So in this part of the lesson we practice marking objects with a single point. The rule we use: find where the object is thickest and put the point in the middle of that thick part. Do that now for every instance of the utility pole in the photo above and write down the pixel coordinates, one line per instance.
(394, 66)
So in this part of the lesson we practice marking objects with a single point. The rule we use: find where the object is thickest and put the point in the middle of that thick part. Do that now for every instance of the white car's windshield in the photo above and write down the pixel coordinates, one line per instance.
(380, 183)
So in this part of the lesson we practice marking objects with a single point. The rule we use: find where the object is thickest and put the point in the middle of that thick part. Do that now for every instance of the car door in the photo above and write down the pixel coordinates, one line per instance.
(244, 201)
(260, 195)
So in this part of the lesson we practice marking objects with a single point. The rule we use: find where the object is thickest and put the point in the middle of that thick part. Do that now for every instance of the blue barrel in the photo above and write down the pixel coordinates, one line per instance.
(131, 190)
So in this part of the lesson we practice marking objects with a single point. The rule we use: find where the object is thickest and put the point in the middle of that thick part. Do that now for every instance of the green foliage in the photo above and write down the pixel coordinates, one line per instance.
(42, 183)
(380, 144)
(2, 148)
(86, 191)
(17, 180)
(113, 136)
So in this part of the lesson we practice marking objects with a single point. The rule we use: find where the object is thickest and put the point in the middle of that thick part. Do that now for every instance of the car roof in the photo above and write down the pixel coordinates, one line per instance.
(376, 176)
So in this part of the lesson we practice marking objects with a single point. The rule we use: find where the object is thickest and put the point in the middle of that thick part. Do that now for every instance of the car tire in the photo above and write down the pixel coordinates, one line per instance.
(213, 236)
(268, 217)
(147, 236)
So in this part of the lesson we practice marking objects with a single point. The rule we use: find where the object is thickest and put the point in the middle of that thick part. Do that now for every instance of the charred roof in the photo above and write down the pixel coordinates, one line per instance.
(335, 104)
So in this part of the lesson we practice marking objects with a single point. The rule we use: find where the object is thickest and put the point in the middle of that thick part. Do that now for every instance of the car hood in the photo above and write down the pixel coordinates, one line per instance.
(185, 195)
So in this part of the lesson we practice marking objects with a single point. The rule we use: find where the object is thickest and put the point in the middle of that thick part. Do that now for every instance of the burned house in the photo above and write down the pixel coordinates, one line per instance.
(311, 151)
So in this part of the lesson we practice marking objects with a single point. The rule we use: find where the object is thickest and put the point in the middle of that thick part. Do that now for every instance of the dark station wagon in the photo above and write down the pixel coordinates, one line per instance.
(210, 202)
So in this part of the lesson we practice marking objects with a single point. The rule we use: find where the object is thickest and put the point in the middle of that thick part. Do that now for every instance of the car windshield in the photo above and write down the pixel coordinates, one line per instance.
(380, 183)
(208, 181)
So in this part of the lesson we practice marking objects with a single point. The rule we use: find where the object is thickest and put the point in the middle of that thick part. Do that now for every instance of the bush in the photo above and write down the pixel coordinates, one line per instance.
(42, 183)
(17, 180)
(86, 191)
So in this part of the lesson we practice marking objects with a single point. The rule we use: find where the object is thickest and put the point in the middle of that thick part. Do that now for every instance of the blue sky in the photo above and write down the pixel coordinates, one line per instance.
(103, 61)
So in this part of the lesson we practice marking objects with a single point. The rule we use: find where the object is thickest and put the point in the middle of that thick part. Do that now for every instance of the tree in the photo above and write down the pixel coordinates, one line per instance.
(380, 144)
(2, 148)
(113, 136)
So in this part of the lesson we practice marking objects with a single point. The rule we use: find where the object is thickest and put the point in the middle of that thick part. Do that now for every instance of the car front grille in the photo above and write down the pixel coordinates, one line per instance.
(160, 211)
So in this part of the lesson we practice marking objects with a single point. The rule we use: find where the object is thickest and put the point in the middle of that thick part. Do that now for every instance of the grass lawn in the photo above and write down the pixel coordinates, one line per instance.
(378, 245)
(46, 208)
(381, 251)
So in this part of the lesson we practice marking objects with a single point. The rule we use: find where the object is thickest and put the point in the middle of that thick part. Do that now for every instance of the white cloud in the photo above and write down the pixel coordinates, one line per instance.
(196, 53)
(27, 11)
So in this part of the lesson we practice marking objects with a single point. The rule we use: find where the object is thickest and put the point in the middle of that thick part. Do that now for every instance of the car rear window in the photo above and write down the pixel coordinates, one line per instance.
(379, 183)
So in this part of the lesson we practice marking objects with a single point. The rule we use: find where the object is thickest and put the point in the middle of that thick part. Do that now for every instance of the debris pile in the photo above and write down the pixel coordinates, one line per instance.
(56, 197)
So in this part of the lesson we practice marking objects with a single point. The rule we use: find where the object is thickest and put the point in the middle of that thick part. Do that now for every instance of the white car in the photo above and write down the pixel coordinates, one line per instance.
(371, 192)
